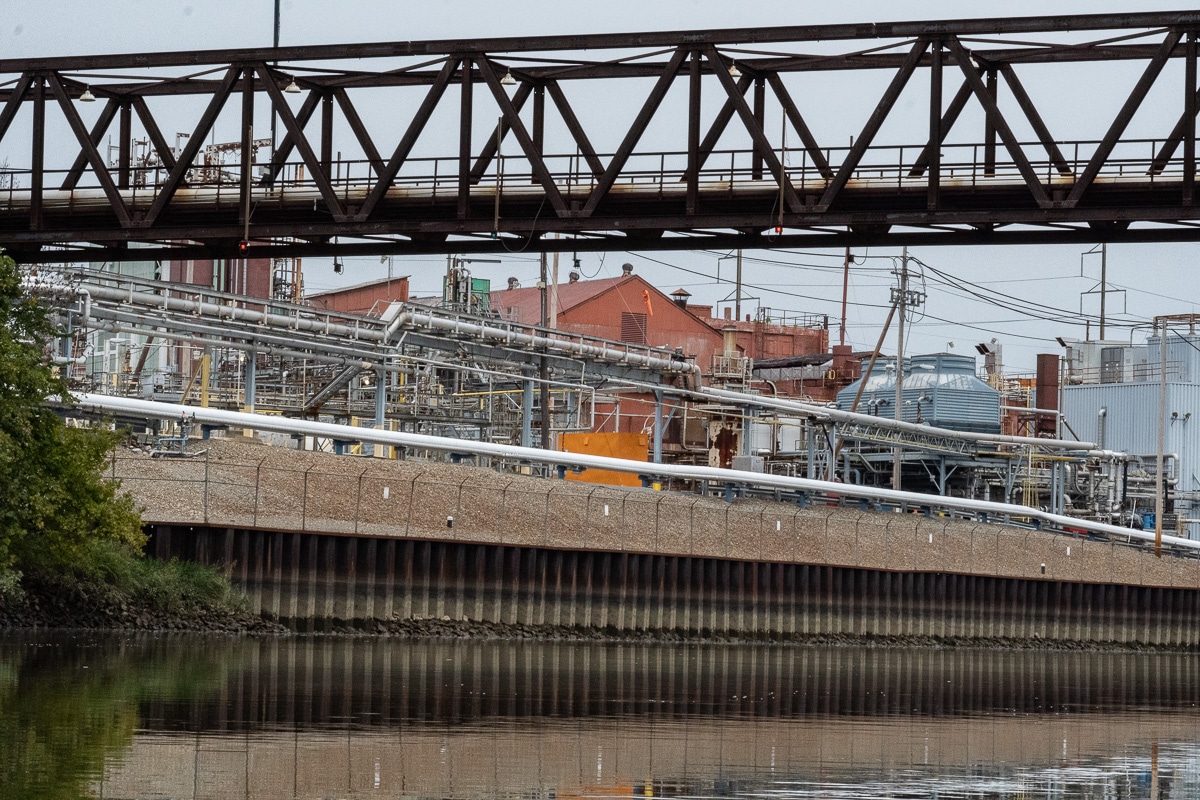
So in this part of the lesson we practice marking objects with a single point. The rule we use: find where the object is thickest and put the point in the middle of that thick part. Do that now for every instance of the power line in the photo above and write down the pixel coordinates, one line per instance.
(854, 303)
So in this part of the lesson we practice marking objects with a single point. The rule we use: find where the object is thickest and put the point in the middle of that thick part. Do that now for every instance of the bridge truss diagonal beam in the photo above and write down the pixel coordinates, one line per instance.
(319, 171)
(1035, 119)
(762, 147)
(577, 132)
(988, 100)
(666, 184)
(90, 152)
(532, 152)
(405, 146)
(653, 100)
(154, 133)
(874, 123)
(491, 145)
(1131, 105)
(107, 115)
(195, 141)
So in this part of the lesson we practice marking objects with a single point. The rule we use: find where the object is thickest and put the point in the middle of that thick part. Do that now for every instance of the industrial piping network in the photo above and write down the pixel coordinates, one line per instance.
(979, 508)
(539, 339)
(835, 415)
(531, 338)
(503, 335)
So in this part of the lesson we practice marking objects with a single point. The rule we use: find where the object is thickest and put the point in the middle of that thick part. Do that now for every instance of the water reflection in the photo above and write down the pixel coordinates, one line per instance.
(68, 705)
(367, 718)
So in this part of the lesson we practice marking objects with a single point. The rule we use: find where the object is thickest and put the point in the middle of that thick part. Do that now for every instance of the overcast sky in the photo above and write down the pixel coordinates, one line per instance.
(1156, 278)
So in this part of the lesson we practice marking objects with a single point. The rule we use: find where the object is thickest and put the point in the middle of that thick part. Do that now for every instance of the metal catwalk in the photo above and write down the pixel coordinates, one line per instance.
(719, 149)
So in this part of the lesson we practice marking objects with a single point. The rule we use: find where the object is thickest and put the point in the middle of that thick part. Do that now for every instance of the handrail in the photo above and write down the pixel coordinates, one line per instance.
(669, 166)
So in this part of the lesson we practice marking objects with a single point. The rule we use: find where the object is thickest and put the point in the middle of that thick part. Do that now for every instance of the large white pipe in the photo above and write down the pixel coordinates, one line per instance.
(211, 416)
(836, 415)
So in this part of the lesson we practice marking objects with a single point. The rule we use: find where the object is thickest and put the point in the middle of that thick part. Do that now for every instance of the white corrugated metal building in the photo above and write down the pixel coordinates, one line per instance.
(1111, 396)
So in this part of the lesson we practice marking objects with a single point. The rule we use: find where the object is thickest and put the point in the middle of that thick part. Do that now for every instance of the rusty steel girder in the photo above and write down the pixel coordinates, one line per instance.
(62, 200)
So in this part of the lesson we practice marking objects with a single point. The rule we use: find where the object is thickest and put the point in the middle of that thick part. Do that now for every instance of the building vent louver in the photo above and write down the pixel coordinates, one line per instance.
(633, 327)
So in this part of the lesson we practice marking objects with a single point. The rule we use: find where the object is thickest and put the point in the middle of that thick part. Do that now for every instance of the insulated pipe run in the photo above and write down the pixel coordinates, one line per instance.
(600, 352)
(211, 416)
(508, 336)
(1049, 412)
(268, 345)
(407, 318)
(578, 349)
(836, 415)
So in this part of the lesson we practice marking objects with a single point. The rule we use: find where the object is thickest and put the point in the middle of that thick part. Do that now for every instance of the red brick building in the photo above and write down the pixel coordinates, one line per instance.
(250, 277)
(630, 309)
(364, 297)
(624, 309)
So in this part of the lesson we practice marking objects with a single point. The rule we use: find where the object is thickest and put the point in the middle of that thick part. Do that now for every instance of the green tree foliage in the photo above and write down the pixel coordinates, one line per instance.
(54, 500)
(68, 706)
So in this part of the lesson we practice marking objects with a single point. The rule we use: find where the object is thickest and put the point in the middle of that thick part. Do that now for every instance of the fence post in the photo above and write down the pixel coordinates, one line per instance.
(358, 499)
(257, 488)
(206, 458)
(657, 519)
(304, 503)
(587, 516)
(412, 493)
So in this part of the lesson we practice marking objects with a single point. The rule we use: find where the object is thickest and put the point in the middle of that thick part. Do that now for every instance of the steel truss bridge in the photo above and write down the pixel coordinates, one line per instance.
(431, 177)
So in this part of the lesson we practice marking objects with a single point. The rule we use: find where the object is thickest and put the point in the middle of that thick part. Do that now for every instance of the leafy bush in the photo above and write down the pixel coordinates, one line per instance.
(113, 572)
(61, 522)
(55, 498)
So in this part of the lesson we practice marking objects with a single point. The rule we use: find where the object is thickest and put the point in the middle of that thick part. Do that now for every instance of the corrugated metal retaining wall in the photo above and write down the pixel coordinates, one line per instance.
(319, 582)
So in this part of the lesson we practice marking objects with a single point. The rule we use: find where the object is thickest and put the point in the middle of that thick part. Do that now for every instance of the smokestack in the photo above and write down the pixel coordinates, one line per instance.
(1046, 395)
(730, 336)
(627, 268)
(843, 361)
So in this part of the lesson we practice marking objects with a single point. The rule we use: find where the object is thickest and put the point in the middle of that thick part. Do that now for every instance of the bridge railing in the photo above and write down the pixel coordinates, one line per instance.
(883, 166)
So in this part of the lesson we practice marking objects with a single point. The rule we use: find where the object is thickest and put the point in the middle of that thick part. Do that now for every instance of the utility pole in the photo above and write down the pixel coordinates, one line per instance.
(388, 260)
(1103, 284)
(544, 369)
(901, 307)
(737, 303)
(845, 293)
(552, 319)
(1159, 504)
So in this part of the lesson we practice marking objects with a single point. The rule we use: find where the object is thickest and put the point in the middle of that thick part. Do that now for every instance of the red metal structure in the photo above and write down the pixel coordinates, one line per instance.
(62, 200)
(364, 298)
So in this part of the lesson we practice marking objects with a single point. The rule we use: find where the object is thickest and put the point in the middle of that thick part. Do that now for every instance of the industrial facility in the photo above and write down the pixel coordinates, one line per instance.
(201, 300)
(617, 367)
(506, 368)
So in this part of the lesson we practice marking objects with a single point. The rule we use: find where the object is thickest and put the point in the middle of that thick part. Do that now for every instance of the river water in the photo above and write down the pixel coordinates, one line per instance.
(234, 717)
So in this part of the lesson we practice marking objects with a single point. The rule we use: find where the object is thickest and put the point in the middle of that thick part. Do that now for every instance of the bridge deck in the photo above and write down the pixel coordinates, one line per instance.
(600, 172)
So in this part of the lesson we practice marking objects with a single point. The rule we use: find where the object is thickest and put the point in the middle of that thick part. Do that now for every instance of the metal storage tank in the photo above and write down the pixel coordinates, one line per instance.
(780, 435)
(940, 389)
